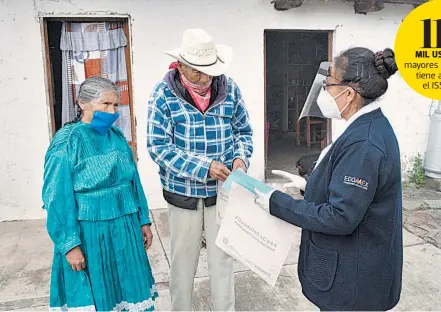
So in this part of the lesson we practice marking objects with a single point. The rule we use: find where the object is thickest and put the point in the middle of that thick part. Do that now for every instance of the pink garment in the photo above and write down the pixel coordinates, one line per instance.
(173, 65)
(200, 94)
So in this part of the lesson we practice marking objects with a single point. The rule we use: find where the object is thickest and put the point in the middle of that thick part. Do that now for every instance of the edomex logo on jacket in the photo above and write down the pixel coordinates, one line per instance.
(358, 182)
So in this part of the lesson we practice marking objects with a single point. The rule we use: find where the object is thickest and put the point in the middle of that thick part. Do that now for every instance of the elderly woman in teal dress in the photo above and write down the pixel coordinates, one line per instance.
(98, 216)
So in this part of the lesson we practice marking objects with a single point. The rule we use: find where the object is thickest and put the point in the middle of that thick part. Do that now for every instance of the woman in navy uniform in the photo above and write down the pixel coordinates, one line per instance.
(351, 252)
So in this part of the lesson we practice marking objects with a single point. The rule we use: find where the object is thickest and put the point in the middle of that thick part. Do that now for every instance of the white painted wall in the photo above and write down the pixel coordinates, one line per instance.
(157, 25)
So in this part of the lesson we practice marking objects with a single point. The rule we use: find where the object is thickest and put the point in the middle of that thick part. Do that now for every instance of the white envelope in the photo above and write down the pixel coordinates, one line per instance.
(252, 236)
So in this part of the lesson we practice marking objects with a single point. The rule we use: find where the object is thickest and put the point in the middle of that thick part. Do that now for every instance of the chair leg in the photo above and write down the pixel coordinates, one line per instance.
(308, 132)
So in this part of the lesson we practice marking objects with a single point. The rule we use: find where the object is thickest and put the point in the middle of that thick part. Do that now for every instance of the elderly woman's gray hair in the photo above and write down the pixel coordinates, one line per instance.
(91, 89)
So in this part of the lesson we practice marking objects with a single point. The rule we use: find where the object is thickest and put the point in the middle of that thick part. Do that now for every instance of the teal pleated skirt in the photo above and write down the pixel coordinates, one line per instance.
(118, 275)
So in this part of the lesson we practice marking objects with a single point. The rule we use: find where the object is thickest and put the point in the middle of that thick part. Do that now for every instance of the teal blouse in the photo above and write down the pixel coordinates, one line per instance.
(89, 177)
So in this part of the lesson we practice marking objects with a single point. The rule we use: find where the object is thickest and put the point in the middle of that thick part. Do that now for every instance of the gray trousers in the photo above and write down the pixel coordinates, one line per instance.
(186, 236)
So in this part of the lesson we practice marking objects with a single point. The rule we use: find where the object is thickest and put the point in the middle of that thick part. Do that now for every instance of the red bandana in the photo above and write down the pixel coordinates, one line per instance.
(200, 94)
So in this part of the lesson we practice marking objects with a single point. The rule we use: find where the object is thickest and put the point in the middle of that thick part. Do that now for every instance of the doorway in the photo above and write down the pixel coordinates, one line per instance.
(292, 59)
(78, 48)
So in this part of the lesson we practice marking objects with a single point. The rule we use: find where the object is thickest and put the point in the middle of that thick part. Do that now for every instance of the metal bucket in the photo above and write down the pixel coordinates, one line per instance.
(432, 161)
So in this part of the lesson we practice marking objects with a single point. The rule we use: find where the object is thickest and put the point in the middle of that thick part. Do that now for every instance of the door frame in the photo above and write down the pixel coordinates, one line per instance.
(49, 90)
(330, 58)
(331, 34)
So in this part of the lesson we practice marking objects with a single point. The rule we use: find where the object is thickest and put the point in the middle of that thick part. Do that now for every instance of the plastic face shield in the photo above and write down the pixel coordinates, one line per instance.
(311, 109)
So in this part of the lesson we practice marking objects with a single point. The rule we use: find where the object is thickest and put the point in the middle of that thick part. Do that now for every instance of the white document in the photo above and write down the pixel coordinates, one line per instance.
(254, 237)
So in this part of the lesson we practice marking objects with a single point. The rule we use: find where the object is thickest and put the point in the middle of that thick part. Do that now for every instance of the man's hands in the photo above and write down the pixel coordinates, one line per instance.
(219, 171)
(76, 259)
(239, 163)
(147, 236)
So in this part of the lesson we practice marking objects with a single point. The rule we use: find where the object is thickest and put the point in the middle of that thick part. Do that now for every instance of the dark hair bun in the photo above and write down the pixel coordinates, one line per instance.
(385, 63)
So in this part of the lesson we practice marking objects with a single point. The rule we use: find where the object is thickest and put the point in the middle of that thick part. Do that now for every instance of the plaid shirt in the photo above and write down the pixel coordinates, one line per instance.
(183, 141)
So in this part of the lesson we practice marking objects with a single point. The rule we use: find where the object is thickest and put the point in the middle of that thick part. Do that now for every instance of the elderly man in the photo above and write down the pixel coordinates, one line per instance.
(198, 132)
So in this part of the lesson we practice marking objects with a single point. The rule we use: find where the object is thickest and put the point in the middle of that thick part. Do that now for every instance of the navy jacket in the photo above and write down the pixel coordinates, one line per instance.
(351, 252)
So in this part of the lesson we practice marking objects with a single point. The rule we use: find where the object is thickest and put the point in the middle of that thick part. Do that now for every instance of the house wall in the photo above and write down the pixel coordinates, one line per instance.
(157, 25)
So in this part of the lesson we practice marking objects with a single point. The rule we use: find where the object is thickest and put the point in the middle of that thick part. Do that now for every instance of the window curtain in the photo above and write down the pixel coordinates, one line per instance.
(94, 49)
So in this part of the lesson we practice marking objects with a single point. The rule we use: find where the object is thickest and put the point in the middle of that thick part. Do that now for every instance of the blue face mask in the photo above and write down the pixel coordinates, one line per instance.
(102, 121)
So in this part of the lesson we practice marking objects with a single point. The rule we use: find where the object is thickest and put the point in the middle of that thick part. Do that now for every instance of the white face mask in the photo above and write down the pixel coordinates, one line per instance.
(328, 104)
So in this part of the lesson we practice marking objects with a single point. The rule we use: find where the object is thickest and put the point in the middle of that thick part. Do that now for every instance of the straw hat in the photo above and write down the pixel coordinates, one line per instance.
(199, 51)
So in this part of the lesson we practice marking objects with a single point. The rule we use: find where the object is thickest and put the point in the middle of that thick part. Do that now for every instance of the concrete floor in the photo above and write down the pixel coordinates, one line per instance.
(283, 155)
(27, 251)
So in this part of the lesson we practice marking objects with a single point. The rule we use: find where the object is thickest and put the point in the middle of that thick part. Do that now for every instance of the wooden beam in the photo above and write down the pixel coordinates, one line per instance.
(413, 2)
(283, 5)
(128, 53)
(360, 6)
(49, 80)
(265, 118)
(366, 6)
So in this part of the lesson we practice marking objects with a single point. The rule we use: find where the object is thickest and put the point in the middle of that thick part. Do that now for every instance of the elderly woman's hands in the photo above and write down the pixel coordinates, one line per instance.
(147, 235)
(76, 259)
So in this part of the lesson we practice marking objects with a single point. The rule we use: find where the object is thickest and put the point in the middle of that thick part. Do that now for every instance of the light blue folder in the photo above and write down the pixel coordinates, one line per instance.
(240, 177)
